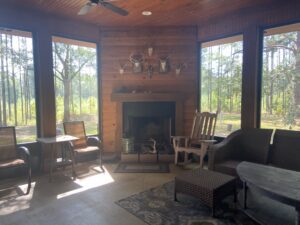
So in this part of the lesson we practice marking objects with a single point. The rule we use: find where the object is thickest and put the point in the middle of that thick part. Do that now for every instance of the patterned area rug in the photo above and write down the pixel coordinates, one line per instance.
(142, 168)
(157, 207)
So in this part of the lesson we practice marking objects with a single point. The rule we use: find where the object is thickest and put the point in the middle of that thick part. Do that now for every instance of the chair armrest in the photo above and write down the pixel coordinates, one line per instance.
(180, 137)
(177, 139)
(93, 141)
(207, 141)
(24, 154)
(222, 151)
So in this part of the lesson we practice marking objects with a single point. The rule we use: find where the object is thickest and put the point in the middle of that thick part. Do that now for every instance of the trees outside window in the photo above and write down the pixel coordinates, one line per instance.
(221, 81)
(17, 83)
(280, 101)
(75, 77)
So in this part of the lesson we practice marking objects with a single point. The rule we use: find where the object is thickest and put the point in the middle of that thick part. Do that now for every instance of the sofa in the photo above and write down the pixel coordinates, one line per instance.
(279, 148)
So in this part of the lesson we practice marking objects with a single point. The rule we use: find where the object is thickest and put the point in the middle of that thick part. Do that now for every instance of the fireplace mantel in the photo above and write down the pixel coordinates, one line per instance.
(146, 97)
(120, 98)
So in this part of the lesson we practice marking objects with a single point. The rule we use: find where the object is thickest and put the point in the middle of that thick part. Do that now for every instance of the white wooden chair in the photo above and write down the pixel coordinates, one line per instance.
(202, 136)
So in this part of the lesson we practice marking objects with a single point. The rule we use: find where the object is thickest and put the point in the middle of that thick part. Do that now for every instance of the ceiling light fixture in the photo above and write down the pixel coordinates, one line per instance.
(146, 13)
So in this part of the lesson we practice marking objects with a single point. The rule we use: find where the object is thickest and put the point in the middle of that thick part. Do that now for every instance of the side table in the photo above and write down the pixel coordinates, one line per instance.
(52, 142)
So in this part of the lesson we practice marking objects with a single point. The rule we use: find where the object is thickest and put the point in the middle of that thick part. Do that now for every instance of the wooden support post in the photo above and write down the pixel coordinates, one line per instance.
(250, 79)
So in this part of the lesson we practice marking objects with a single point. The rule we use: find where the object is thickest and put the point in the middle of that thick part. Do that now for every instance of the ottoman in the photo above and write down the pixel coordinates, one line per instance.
(209, 186)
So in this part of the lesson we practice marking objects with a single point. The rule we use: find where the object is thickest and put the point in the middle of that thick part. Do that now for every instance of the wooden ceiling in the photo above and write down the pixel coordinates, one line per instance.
(165, 12)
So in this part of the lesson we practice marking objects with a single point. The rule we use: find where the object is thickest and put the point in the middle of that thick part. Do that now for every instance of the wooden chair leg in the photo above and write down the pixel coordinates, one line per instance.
(201, 161)
(186, 157)
(203, 152)
(176, 157)
(73, 165)
(29, 180)
(100, 161)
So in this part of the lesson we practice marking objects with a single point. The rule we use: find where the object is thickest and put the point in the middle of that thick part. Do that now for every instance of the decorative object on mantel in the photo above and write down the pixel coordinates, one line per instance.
(122, 67)
(150, 50)
(164, 65)
(150, 71)
(179, 68)
(137, 62)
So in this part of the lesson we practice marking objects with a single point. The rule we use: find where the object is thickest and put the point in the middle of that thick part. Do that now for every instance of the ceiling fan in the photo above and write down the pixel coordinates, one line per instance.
(92, 3)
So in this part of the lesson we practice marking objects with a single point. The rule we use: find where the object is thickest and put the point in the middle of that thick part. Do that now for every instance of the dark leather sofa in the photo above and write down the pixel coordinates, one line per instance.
(280, 148)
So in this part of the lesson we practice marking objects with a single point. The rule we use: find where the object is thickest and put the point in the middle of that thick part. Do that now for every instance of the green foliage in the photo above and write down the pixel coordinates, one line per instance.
(75, 67)
(281, 69)
(221, 79)
(17, 90)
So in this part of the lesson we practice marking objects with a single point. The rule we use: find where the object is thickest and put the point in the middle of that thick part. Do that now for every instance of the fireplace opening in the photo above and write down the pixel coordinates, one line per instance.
(149, 126)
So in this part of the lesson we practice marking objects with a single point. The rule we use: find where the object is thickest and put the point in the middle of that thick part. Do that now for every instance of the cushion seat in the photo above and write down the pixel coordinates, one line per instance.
(228, 167)
(11, 163)
(86, 149)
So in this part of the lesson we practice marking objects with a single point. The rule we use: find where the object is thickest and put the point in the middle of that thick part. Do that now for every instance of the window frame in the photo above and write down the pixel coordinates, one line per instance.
(199, 68)
(260, 61)
(36, 75)
(98, 76)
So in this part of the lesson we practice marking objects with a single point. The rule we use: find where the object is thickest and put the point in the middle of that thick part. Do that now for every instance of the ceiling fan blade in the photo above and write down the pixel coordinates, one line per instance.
(114, 8)
(86, 8)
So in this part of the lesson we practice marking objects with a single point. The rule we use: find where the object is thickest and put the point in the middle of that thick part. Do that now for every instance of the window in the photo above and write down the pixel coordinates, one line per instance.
(75, 77)
(280, 101)
(221, 81)
(17, 83)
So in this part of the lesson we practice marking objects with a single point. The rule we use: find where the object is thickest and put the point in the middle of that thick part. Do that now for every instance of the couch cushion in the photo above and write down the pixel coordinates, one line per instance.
(87, 149)
(254, 145)
(228, 167)
(286, 150)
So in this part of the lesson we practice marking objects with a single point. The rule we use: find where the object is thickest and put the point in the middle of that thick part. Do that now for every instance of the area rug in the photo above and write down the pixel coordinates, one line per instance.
(157, 207)
(142, 168)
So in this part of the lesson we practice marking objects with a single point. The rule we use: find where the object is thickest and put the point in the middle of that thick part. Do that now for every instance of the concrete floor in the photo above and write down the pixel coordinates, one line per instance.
(87, 201)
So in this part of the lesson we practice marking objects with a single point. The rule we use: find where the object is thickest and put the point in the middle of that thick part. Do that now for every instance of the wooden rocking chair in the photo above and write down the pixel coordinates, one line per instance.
(202, 136)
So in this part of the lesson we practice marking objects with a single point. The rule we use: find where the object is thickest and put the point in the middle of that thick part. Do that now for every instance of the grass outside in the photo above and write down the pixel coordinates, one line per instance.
(226, 124)
(229, 122)
(28, 133)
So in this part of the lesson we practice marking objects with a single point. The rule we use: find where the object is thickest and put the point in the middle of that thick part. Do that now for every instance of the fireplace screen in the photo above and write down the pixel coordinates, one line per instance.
(149, 124)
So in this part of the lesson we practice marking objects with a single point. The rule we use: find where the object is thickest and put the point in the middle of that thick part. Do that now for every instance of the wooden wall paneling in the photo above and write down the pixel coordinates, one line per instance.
(117, 44)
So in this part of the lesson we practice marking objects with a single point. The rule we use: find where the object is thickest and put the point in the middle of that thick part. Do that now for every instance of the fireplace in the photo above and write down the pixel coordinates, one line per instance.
(149, 123)
(134, 105)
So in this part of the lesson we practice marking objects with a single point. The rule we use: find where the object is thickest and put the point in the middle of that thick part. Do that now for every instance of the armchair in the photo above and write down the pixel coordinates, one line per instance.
(242, 145)
(84, 145)
(12, 156)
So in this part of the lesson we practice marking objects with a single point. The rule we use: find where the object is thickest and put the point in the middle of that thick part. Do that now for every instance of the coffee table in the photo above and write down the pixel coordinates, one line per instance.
(209, 186)
(279, 184)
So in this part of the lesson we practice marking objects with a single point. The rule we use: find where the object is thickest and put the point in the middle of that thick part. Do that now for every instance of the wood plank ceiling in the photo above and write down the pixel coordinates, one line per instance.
(165, 12)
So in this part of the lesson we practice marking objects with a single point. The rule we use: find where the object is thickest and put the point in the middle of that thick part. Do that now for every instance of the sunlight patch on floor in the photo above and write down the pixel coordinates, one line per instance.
(89, 182)
(8, 203)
